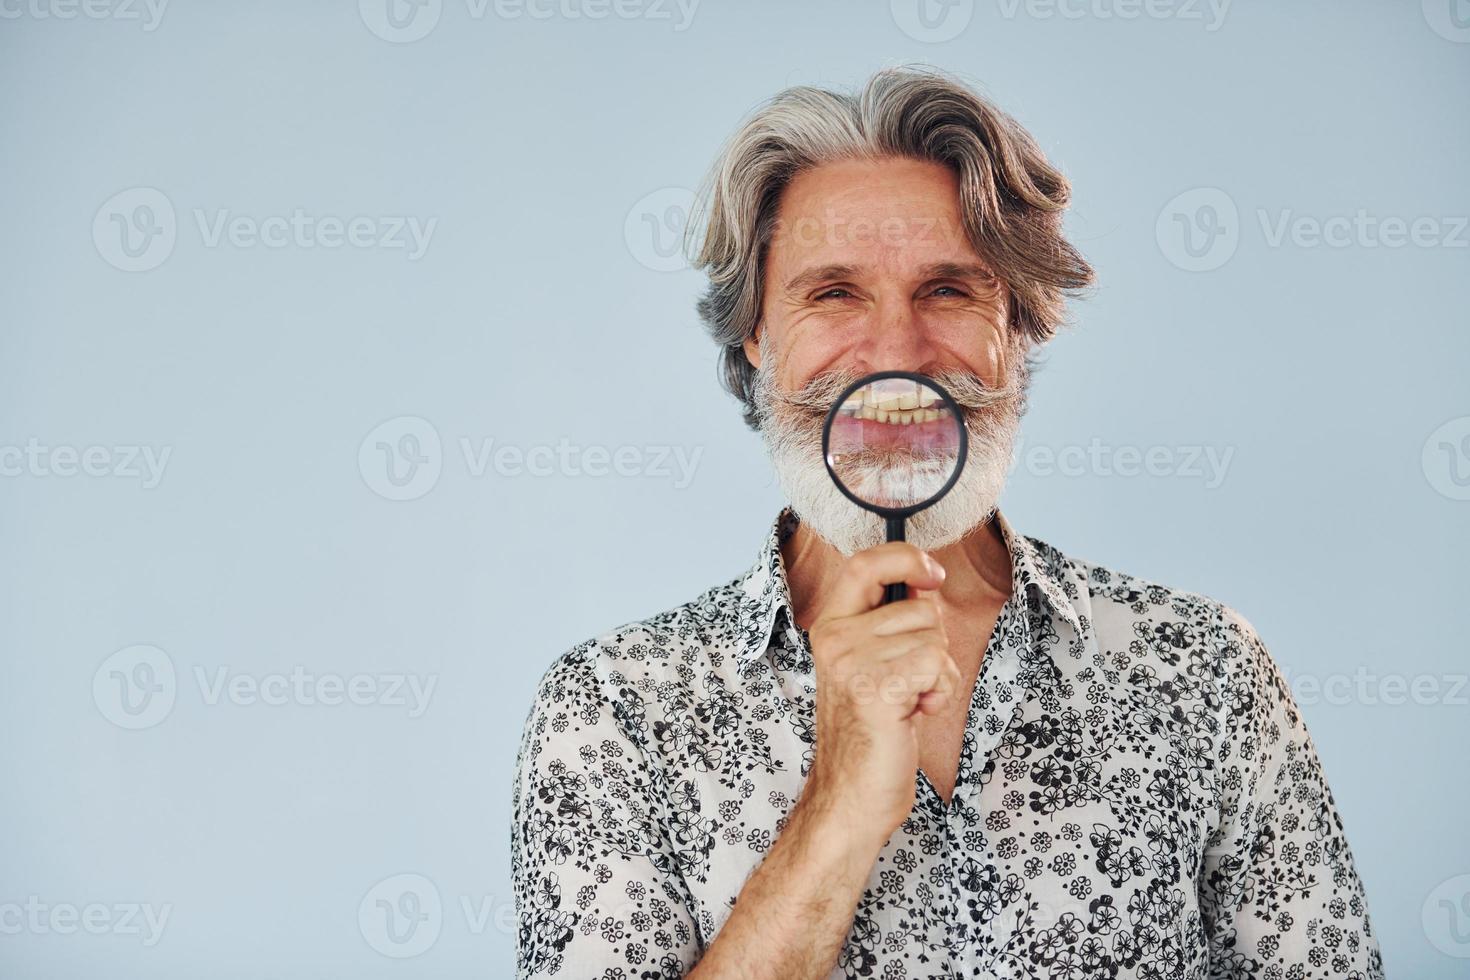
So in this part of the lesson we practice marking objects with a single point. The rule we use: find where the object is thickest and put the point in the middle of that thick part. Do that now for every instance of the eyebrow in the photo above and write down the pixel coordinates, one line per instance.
(935, 270)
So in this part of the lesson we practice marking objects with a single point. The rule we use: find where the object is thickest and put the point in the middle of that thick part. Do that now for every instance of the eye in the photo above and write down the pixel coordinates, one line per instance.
(951, 291)
(833, 293)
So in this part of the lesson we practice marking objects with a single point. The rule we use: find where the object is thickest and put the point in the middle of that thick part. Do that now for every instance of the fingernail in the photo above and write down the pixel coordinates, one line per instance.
(934, 566)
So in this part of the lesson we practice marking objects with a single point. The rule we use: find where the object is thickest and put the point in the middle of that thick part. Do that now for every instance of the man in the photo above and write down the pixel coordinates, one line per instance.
(1031, 767)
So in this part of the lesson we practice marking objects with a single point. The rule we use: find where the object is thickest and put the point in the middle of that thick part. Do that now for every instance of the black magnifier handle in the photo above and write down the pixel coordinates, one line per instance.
(896, 590)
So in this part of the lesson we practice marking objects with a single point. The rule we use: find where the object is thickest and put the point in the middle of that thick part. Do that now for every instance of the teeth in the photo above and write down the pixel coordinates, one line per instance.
(894, 407)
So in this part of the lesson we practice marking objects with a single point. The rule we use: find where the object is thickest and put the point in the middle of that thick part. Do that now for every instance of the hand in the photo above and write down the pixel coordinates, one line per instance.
(877, 669)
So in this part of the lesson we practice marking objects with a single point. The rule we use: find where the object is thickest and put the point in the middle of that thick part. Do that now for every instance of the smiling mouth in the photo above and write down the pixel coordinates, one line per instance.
(908, 403)
(893, 421)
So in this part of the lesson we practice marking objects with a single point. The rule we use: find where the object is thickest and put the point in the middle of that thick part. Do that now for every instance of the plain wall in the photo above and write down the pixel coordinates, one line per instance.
(546, 308)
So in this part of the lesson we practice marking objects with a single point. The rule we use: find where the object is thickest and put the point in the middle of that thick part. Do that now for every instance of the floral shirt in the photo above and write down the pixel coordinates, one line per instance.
(1137, 795)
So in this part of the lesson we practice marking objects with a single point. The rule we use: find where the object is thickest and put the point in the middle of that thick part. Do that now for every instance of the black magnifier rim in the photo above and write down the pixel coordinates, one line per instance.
(944, 396)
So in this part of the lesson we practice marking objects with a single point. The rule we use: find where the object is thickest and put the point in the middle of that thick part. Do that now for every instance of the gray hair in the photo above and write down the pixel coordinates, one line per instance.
(1011, 198)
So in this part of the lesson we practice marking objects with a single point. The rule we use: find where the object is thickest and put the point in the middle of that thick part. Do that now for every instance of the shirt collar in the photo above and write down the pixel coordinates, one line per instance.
(764, 591)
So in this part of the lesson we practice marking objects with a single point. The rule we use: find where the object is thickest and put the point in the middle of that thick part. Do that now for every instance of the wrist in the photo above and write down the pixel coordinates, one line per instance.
(837, 832)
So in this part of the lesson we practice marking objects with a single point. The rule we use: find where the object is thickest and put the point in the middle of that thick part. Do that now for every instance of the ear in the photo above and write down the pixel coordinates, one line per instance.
(752, 347)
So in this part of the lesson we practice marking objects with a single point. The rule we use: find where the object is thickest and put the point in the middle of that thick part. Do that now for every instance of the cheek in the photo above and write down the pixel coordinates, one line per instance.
(994, 367)
(805, 355)
(980, 350)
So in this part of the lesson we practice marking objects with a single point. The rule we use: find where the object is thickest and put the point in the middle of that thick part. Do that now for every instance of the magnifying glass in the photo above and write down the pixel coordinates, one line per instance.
(894, 443)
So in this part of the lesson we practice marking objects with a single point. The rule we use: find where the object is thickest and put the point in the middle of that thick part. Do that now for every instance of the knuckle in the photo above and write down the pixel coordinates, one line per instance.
(826, 638)
(913, 558)
(863, 564)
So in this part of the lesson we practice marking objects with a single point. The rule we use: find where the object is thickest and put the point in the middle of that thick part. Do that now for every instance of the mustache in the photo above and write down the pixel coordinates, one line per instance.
(970, 393)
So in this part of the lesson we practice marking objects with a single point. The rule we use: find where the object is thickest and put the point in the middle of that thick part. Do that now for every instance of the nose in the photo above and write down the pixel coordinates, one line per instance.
(895, 340)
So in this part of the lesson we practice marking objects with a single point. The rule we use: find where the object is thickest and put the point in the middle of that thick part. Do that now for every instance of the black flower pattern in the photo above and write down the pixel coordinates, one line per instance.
(1137, 795)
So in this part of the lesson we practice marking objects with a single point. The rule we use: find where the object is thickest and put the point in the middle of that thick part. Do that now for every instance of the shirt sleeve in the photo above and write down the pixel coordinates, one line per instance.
(1279, 894)
(597, 889)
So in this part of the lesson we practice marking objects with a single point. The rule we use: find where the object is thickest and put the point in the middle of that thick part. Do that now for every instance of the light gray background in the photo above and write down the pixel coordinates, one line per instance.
(539, 315)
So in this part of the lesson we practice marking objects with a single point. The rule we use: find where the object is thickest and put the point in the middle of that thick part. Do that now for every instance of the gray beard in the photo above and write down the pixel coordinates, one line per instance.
(793, 436)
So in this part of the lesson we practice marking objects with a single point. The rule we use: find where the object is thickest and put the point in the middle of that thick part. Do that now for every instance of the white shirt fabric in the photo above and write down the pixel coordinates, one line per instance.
(1137, 795)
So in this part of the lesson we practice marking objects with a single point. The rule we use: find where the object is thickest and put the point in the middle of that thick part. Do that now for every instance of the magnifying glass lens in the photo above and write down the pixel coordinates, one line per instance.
(894, 443)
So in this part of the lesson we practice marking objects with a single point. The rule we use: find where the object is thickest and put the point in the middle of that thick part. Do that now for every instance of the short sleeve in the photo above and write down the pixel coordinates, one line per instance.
(597, 889)
(1279, 894)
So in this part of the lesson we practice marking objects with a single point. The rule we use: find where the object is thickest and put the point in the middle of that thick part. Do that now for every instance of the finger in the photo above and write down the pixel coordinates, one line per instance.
(860, 583)
(947, 685)
(938, 698)
(903, 616)
(920, 647)
(931, 703)
(928, 668)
